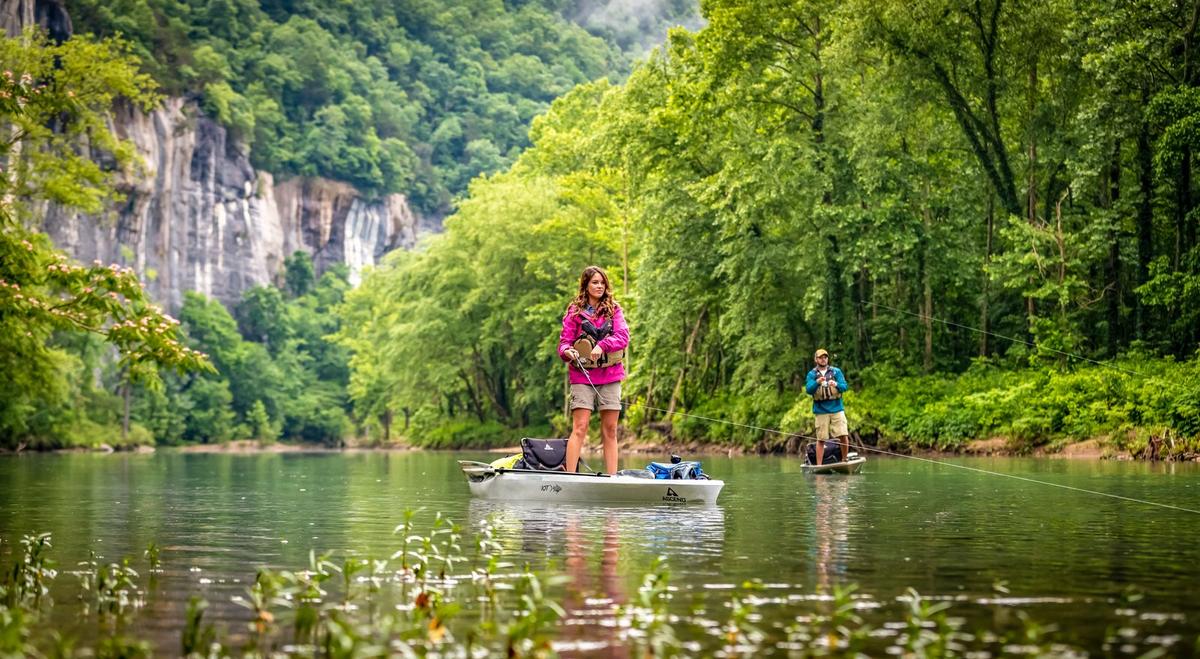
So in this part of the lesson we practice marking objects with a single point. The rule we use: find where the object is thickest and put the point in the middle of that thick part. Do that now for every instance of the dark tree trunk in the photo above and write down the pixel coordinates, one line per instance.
(1183, 206)
(677, 392)
(926, 285)
(837, 293)
(127, 396)
(472, 395)
(980, 126)
(833, 270)
(1145, 219)
(1031, 193)
(1113, 267)
(861, 337)
(985, 318)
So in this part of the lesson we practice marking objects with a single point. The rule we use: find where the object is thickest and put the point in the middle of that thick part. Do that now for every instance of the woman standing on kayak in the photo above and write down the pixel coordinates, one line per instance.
(593, 339)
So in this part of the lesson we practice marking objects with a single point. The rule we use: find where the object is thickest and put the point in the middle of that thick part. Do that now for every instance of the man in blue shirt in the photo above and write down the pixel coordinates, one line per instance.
(825, 384)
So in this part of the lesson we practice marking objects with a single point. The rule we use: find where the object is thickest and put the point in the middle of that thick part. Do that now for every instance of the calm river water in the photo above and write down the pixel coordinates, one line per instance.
(993, 546)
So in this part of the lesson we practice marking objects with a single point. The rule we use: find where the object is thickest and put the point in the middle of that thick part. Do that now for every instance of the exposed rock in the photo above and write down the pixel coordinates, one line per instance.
(16, 15)
(197, 216)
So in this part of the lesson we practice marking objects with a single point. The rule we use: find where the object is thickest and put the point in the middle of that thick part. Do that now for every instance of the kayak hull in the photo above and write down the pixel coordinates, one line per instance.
(851, 466)
(528, 485)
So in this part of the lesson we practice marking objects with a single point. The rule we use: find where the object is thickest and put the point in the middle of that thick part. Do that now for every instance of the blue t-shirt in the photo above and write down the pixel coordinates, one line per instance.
(827, 406)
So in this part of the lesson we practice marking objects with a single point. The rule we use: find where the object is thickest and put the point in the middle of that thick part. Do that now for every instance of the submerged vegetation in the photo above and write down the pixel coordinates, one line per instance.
(446, 593)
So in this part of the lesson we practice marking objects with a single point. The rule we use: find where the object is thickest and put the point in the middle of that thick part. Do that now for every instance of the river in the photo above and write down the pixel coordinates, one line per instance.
(1109, 572)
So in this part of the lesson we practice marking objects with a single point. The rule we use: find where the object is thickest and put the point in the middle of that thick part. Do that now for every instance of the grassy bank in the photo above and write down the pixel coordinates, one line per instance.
(1121, 404)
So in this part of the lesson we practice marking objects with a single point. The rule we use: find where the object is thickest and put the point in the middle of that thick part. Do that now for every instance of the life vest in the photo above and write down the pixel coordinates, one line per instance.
(829, 390)
(589, 336)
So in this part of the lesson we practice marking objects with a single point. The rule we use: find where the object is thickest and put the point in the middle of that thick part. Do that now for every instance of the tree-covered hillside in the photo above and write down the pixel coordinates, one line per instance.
(408, 96)
(986, 210)
(923, 188)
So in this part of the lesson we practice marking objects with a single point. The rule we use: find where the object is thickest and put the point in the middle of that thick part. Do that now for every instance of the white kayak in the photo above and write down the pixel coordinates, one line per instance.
(851, 466)
(488, 482)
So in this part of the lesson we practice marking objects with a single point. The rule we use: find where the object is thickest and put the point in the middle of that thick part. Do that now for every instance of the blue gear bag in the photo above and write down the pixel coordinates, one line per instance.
(680, 471)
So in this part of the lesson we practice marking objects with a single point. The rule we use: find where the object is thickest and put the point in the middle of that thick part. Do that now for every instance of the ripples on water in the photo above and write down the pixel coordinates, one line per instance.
(987, 544)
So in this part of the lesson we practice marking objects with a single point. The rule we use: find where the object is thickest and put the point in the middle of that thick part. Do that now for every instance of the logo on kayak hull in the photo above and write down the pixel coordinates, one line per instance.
(672, 497)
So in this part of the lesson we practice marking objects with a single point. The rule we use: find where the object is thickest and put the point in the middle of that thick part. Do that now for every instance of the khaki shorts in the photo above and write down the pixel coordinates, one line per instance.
(583, 397)
(832, 425)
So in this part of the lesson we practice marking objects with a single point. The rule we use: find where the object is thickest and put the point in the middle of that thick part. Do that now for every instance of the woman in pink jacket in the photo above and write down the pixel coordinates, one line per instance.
(594, 336)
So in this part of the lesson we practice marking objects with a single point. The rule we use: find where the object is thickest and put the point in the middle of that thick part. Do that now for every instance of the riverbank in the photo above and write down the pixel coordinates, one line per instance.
(1126, 447)
(1091, 449)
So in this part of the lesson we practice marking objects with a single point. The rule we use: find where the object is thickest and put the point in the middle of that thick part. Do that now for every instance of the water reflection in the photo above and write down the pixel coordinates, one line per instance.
(593, 595)
(536, 531)
(830, 547)
(1064, 556)
(603, 551)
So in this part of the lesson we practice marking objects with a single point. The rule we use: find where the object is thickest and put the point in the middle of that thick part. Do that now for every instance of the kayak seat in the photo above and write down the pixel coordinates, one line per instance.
(544, 454)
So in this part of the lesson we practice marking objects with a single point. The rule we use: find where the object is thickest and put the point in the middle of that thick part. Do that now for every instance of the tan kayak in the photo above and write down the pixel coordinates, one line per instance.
(852, 465)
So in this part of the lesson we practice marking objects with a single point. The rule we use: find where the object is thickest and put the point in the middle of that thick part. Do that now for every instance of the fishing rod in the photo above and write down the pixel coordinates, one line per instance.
(1014, 339)
(579, 365)
(627, 403)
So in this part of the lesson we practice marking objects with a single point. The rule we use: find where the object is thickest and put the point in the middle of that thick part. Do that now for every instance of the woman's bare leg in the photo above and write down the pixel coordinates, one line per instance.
(579, 427)
(608, 436)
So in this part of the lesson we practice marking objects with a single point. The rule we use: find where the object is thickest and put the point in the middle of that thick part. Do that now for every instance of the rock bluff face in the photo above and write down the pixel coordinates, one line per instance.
(197, 216)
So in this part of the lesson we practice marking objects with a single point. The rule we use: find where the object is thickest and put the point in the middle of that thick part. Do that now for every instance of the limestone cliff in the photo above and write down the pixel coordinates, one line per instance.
(197, 216)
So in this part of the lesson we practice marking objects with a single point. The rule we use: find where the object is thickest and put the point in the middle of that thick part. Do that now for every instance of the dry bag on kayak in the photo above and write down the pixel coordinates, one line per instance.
(508, 462)
(833, 453)
(544, 454)
(678, 470)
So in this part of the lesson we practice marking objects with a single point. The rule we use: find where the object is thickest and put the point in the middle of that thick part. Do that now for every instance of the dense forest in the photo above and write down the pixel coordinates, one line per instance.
(413, 97)
(985, 210)
(410, 97)
(1002, 189)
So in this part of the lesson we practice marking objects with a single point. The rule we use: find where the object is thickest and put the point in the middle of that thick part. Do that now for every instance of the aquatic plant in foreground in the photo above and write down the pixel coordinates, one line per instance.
(420, 601)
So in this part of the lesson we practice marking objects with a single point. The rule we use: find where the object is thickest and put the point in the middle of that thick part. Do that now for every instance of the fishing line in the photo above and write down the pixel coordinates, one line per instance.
(929, 460)
(1009, 338)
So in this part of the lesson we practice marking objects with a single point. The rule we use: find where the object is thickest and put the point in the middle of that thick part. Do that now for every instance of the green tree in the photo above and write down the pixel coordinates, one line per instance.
(52, 98)
(261, 317)
(299, 275)
(368, 94)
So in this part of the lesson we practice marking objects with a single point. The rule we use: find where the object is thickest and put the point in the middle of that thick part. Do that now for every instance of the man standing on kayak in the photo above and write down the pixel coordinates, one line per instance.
(825, 384)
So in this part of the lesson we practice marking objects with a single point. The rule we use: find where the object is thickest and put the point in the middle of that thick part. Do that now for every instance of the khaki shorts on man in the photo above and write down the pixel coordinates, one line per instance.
(583, 396)
(828, 425)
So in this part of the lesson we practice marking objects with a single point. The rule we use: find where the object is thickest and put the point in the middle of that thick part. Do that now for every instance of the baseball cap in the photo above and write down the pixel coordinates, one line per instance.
(819, 352)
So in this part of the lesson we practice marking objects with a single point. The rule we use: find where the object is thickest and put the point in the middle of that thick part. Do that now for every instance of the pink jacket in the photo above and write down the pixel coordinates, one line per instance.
(611, 343)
